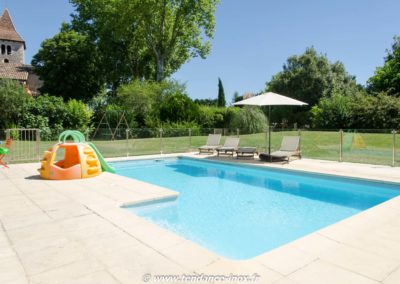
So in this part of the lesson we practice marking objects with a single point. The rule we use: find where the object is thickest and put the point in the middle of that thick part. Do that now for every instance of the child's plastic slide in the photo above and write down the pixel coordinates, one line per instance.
(104, 165)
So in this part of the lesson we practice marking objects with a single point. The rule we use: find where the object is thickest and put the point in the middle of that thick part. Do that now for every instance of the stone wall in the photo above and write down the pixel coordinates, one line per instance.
(17, 52)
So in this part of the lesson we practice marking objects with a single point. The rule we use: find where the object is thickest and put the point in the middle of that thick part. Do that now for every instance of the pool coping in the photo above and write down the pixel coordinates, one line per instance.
(275, 166)
(363, 248)
(297, 247)
(281, 169)
(261, 167)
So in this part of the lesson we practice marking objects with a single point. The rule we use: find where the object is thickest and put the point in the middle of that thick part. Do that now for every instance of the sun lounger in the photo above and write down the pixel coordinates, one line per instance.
(212, 144)
(246, 152)
(230, 146)
(290, 147)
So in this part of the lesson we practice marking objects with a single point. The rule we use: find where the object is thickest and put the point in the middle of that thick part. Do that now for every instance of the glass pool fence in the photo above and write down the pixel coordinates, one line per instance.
(369, 146)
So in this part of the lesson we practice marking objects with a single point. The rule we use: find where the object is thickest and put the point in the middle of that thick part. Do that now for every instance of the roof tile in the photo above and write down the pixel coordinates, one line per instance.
(15, 71)
(7, 28)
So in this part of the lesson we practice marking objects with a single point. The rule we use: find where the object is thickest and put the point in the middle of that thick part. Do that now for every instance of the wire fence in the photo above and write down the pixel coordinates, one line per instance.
(360, 146)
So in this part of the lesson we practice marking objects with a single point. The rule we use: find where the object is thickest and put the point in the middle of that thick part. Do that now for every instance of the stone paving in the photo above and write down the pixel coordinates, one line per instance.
(76, 232)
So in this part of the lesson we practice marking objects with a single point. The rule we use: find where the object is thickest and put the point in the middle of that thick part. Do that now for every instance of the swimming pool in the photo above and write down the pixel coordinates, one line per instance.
(240, 211)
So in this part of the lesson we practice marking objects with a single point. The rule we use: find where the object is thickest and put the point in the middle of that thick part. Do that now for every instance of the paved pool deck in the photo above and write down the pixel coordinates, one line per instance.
(75, 232)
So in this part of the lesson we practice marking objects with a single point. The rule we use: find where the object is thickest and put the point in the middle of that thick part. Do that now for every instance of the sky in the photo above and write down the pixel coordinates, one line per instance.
(254, 38)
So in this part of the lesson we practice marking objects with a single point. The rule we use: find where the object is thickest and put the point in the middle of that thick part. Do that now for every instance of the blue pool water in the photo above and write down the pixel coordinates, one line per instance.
(239, 211)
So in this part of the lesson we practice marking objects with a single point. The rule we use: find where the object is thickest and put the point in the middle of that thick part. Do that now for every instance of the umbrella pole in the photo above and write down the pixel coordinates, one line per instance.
(269, 130)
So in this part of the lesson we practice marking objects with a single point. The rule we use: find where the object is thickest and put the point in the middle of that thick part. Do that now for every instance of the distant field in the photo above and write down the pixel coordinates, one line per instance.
(373, 148)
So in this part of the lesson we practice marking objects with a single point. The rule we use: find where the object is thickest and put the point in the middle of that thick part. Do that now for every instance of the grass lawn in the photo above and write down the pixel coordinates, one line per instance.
(372, 148)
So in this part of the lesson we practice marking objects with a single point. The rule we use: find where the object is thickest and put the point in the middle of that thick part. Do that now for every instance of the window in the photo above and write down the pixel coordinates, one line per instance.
(8, 49)
(3, 49)
(6, 61)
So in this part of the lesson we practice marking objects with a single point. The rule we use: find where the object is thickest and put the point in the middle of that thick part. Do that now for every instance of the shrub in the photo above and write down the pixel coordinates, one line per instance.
(216, 117)
(332, 113)
(13, 99)
(177, 129)
(380, 112)
(53, 108)
(78, 115)
(210, 117)
(178, 107)
(250, 120)
(51, 115)
(143, 99)
(361, 111)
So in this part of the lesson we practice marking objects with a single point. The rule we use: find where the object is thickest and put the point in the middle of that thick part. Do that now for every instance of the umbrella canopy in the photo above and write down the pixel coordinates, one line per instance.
(270, 99)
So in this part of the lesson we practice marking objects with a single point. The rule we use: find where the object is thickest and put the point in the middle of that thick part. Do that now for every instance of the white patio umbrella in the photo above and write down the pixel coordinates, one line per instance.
(270, 99)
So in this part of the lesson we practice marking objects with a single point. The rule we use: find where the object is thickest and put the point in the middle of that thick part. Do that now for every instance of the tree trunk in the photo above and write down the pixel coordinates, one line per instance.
(160, 68)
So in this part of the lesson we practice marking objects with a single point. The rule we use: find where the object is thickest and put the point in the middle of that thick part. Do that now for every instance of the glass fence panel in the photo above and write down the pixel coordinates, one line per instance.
(143, 142)
(199, 137)
(277, 137)
(361, 146)
(397, 149)
(257, 140)
(368, 146)
(114, 148)
(320, 144)
(110, 142)
(175, 141)
(101, 134)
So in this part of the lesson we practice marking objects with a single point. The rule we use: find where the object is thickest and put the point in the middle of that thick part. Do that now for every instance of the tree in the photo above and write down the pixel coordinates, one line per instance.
(311, 76)
(174, 31)
(113, 27)
(147, 36)
(67, 64)
(387, 78)
(221, 94)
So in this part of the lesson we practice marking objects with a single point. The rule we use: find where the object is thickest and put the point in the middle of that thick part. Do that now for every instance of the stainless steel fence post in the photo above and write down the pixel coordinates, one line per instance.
(190, 139)
(8, 136)
(161, 141)
(341, 146)
(299, 134)
(237, 132)
(38, 143)
(127, 141)
(394, 148)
